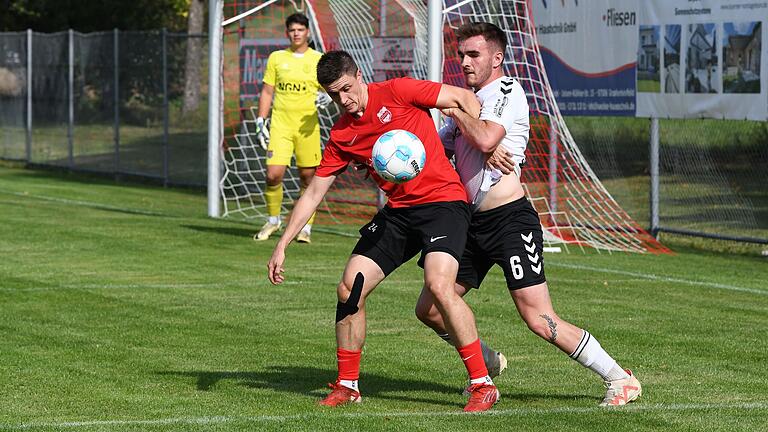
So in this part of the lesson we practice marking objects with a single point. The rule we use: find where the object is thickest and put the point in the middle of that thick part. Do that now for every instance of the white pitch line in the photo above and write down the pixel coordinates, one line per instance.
(661, 278)
(744, 406)
(84, 204)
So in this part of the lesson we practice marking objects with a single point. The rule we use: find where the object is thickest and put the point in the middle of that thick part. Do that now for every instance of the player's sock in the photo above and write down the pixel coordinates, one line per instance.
(307, 229)
(488, 352)
(274, 220)
(591, 355)
(472, 356)
(349, 367)
(274, 198)
(311, 218)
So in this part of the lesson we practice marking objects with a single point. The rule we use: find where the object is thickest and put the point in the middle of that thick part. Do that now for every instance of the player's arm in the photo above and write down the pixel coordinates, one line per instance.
(305, 206)
(451, 97)
(265, 100)
(482, 134)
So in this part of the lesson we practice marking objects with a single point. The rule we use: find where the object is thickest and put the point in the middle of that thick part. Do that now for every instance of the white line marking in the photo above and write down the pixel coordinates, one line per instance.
(660, 278)
(324, 414)
(85, 204)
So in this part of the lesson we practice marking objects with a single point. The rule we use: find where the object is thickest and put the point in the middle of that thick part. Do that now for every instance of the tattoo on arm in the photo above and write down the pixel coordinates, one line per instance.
(552, 327)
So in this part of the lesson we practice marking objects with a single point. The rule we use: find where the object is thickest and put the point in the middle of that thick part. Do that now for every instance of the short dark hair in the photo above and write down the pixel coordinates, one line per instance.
(333, 65)
(297, 18)
(490, 32)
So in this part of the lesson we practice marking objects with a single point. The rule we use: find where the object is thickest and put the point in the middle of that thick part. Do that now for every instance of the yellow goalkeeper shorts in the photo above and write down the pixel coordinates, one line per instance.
(294, 134)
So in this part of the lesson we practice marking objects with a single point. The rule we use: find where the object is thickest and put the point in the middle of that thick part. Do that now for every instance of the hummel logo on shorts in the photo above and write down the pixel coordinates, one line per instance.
(434, 239)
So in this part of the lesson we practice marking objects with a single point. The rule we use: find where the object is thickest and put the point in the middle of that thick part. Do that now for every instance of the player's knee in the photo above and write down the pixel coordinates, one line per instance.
(343, 291)
(274, 179)
(426, 312)
(442, 291)
(306, 179)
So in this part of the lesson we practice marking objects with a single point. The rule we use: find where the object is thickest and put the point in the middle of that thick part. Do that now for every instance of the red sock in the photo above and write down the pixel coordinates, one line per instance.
(349, 363)
(472, 356)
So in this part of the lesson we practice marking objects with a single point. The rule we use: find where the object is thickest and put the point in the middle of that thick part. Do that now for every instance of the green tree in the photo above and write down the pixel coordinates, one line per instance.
(93, 15)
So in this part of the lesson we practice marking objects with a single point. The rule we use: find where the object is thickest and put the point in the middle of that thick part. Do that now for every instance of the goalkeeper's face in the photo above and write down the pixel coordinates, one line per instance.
(480, 61)
(298, 35)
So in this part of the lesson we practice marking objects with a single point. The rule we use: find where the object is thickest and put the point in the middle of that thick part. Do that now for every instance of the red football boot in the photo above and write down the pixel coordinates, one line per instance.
(341, 395)
(481, 397)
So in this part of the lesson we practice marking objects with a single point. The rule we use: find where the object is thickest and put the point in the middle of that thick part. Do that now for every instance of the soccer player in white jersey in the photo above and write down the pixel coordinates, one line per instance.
(505, 228)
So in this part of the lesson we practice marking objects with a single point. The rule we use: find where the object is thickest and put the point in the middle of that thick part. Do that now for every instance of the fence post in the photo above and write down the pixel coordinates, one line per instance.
(165, 107)
(71, 98)
(28, 149)
(116, 91)
(654, 168)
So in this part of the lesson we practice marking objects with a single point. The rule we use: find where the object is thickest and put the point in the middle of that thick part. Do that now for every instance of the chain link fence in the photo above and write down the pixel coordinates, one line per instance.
(113, 103)
(711, 173)
(107, 102)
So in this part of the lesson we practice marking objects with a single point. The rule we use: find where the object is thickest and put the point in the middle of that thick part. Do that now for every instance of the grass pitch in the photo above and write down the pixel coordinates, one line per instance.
(125, 308)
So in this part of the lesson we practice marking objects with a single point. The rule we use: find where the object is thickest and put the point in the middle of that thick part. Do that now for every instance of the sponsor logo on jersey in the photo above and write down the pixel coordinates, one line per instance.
(498, 109)
(292, 87)
(384, 115)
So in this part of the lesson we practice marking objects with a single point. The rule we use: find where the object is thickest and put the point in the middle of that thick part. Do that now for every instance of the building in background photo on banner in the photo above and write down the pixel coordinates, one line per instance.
(712, 62)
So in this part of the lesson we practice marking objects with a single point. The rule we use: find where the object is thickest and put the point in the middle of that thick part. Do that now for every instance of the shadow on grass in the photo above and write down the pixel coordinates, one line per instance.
(231, 231)
(310, 381)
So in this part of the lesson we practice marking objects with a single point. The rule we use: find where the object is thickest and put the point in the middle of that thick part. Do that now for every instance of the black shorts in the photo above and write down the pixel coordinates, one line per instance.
(510, 236)
(395, 235)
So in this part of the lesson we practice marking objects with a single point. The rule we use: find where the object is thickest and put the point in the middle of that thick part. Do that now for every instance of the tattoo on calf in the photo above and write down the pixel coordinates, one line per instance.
(552, 327)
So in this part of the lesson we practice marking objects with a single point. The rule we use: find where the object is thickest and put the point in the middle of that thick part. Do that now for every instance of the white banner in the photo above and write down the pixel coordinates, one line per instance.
(584, 46)
(656, 58)
(710, 56)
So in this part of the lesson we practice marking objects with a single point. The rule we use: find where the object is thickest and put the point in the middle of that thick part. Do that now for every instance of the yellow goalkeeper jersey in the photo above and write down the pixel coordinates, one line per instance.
(294, 77)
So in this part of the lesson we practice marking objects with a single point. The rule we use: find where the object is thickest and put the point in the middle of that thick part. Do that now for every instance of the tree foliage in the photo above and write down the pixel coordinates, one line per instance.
(93, 15)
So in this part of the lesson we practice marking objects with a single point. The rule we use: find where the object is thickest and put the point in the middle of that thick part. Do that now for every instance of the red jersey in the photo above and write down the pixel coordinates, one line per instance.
(401, 103)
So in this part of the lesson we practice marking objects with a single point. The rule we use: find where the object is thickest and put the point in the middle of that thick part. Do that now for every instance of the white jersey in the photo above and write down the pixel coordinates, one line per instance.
(503, 101)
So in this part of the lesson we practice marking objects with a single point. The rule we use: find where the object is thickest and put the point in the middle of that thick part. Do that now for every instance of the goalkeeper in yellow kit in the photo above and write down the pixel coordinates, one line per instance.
(291, 78)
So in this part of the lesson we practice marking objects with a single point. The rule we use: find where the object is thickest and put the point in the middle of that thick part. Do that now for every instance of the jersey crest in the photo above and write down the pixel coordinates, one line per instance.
(384, 115)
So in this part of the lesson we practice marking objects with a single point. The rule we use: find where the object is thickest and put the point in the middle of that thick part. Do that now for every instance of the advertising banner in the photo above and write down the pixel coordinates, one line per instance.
(656, 58)
(710, 57)
(588, 52)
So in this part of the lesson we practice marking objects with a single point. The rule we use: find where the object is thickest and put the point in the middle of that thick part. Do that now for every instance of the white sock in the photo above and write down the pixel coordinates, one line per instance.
(274, 220)
(483, 380)
(591, 355)
(350, 384)
(307, 229)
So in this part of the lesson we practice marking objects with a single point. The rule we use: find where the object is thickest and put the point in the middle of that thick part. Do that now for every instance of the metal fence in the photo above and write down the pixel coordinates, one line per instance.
(107, 102)
(111, 103)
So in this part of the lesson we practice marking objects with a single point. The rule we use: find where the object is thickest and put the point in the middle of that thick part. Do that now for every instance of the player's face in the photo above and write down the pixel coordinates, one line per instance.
(349, 93)
(298, 35)
(479, 58)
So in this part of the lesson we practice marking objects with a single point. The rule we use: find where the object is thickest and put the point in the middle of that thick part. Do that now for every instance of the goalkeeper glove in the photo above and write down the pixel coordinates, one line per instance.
(262, 133)
(323, 100)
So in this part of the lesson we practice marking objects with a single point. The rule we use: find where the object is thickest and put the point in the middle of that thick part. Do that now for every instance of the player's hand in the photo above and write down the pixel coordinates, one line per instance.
(448, 112)
(262, 133)
(323, 100)
(275, 266)
(501, 160)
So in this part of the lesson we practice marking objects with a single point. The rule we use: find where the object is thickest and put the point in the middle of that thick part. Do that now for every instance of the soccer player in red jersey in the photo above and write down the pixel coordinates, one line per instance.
(428, 214)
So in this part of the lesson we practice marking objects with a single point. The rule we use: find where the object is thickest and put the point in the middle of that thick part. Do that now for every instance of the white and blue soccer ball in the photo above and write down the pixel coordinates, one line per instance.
(398, 156)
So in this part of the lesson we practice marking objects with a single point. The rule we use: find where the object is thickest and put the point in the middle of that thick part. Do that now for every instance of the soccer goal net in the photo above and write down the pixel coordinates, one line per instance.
(388, 38)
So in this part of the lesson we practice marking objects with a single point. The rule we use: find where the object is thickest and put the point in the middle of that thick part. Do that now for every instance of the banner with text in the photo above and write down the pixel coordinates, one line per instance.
(656, 58)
